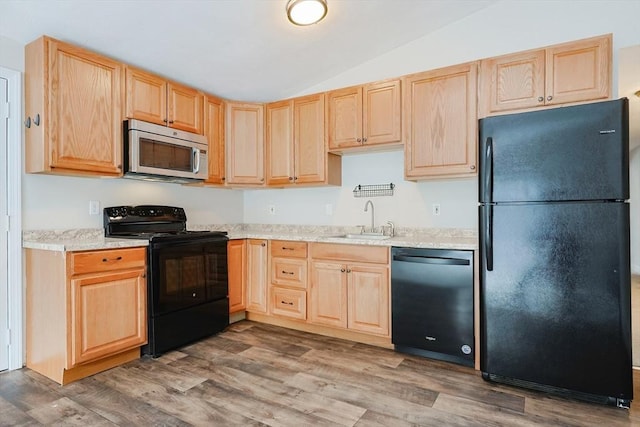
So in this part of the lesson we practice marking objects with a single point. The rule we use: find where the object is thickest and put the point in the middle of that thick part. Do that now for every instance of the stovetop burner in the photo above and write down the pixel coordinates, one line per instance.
(150, 222)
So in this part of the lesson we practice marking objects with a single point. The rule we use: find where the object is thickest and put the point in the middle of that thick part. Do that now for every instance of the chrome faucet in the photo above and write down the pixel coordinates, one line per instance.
(366, 206)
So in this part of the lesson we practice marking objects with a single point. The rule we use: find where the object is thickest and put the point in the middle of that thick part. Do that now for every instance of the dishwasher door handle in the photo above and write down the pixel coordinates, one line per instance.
(431, 260)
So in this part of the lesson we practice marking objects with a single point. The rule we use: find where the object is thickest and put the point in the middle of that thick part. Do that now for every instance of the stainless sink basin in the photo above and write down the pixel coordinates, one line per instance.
(362, 236)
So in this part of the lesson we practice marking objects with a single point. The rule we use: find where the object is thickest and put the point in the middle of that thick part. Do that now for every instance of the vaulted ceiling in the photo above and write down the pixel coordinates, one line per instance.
(237, 49)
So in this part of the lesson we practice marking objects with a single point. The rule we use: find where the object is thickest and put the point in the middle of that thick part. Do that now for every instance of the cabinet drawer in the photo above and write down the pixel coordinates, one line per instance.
(284, 248)
(289, 303)
(347, 253)
(107, 260)
(289, 272)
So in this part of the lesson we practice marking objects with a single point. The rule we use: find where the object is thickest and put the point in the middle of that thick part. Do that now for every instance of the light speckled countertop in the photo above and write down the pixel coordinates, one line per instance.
(93, 239)
(85, 239)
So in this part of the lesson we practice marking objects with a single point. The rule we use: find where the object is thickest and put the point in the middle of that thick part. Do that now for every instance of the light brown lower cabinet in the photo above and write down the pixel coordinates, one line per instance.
(257, 275)
(288, 283)
(86, 311)
(350, 287)
(237, 267)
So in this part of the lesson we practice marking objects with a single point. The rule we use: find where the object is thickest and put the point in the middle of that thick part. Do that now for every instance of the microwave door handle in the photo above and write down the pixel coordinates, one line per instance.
(196, 158)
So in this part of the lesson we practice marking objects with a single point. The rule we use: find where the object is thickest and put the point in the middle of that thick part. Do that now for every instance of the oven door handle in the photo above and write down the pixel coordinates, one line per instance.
(196, 158)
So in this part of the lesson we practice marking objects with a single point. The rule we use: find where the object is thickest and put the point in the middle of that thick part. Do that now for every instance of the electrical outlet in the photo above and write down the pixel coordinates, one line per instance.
(94, 207)
(436, 209)
(272, 209)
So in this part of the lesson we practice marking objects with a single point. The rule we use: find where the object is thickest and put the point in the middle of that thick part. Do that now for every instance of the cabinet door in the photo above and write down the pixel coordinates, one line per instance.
(578, 71)
(108, 314)
(146, 96)
(345, 118)
(237, 266)
(85, 108)
(185, 107)
(280, 157)
(328, 297)
(214, 131)
(310, 141)
(382, 113)
(368, 298)
(440, 122)
(257, 275)
(512, 82)
(244, 129)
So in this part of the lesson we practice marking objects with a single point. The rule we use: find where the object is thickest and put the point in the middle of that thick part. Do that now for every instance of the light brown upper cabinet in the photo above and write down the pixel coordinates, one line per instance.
(244, 129)
(363, 116)
(566, 73)
(440, 122)
(214, 131)
(74, 110)
(154, 99)
(296, 144)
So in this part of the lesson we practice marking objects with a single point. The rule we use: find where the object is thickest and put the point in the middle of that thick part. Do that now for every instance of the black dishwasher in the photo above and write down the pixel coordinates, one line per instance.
(432, 303)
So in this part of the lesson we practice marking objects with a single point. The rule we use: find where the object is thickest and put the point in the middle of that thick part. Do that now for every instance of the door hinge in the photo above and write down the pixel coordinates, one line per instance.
(6, 223)
(8, 337)
(4, 110)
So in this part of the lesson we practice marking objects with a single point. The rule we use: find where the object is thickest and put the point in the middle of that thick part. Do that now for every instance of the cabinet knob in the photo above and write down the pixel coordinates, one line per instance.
(170, 122)
(348, 270)
(165, 120)
(290, 178)
(540, 99)
(27, 123)
(359, 139)
(263, 244)
(223, 178)
(36, 120)
(472, 167)
(364, 139)
(549, 98)
(342, 270)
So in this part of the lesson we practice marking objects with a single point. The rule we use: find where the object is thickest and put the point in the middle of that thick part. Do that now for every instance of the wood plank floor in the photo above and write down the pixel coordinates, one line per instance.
(256, 374)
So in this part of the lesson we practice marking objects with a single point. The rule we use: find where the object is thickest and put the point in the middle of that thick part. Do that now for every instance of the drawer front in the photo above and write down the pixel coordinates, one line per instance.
(289, 303)
(289, 272)
(107, 260)
(289, 249)
(346, 253)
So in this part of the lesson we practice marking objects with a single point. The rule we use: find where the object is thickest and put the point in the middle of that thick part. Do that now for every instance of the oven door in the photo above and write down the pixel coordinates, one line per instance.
(186, 273)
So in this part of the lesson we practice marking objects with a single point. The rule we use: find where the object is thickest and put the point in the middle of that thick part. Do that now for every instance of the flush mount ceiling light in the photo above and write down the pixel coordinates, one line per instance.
(306, 12)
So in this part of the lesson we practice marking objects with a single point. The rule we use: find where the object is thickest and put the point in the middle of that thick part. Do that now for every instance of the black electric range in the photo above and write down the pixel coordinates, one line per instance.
(187, 280)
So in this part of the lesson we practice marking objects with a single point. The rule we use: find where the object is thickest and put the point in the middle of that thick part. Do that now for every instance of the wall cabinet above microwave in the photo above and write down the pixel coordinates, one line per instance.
(154, 99)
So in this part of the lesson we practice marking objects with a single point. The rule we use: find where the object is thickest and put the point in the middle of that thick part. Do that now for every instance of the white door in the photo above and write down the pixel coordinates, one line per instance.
(4, 190)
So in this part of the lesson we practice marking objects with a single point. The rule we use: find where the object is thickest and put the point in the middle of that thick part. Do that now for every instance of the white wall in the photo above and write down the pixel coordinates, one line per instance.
(410, 206)
(11, 54)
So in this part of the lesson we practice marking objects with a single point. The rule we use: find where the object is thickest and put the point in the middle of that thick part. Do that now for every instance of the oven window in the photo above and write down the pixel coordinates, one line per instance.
(161, 155)
(188, 274)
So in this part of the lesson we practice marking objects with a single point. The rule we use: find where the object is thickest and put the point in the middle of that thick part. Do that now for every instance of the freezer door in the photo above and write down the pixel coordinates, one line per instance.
(569, 153)
(555, 309)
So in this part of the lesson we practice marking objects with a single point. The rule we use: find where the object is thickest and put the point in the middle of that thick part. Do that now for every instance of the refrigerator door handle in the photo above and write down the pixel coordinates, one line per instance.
(488, 175)
(488, 236)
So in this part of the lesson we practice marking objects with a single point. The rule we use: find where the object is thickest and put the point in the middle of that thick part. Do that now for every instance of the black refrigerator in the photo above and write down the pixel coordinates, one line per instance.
(555, 282)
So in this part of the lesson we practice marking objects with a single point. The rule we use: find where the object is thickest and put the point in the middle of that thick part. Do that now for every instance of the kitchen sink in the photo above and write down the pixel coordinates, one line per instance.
(362, 236)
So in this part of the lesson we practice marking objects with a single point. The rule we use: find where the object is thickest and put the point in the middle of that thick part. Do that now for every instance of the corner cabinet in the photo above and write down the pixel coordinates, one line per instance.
(365, 116)
(440, 122)
(74, 110)
(244, 130)
(86, 311)
(296, 144)
(578, 71)
(154, 99)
